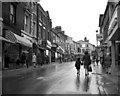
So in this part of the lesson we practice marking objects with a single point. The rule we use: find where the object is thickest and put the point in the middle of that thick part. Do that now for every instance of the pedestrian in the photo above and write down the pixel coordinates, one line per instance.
(86, 62)
(6, 59)
(27, 62)
(17, 62)
(34, 60)
(23, 59)
(97, 60)
(77, 65)
(107, 62)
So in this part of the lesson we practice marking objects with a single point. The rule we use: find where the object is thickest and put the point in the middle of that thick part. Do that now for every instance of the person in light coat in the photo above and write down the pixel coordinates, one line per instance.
(34, 60)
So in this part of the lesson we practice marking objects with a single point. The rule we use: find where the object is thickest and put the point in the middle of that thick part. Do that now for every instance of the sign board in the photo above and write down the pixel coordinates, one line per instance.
(99, 37)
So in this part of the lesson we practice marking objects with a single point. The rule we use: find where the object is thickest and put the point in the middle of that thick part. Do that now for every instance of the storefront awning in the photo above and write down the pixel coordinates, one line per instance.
(23, 40)
(2, 38)
(17, 39)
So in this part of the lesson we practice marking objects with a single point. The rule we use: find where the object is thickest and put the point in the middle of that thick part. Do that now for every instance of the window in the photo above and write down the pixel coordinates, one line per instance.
(34, 6)
(43, 34)
(25, 20)
(12, 13)
(27, 23)
(78, 49)
(87, 45)
(83, 50)
(39, 32)
(34, 29)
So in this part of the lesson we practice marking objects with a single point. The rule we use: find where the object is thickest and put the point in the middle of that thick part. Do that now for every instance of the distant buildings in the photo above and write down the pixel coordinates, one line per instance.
(85, 46)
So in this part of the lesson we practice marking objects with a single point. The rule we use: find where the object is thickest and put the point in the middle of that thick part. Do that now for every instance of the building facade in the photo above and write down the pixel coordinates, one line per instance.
(85, 46)
(109, 27)
(19, 28)
(1, 36)
(44, 26)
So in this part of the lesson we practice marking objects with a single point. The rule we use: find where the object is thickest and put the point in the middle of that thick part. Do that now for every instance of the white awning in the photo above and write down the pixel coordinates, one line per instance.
(23, 40)
(17, 39)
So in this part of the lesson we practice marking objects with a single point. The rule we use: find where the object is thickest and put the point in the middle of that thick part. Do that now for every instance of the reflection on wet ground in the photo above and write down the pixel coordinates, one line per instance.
(60, 78)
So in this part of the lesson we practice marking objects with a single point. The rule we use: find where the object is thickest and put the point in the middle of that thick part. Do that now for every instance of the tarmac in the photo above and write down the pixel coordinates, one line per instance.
(108, 83)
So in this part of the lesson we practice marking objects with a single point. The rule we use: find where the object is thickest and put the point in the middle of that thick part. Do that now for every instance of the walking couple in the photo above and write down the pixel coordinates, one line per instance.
(86, 62)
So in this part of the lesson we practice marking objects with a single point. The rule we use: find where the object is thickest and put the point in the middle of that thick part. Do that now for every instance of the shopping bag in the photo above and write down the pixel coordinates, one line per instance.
(90, 69)
(81, 63)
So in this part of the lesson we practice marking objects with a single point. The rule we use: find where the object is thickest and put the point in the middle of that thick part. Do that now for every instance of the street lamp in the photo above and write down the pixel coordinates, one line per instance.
(96, 37)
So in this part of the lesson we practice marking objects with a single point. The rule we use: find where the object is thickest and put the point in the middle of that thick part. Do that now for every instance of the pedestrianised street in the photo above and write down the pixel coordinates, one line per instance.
(58, 78)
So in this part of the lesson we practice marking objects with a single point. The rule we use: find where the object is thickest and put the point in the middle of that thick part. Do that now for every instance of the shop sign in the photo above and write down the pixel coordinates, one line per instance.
(99, 37)
(49, 44)
(27, 37)
(113, 22)
(54, 45)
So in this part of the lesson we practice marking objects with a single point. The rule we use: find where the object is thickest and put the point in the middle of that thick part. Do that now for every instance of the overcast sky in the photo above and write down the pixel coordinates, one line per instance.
(78, 18)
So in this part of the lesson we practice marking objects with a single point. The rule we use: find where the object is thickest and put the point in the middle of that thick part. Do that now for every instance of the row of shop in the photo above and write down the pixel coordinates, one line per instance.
(111, 43)
(14, 46)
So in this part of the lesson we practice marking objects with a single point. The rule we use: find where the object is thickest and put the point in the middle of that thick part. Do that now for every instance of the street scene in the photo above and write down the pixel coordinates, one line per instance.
(60, 47)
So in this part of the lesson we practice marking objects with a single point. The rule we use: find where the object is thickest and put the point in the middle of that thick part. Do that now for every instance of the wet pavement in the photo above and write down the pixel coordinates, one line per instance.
(55, 79)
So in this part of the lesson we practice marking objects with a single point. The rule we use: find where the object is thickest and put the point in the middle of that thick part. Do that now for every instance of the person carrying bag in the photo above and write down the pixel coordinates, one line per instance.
(87, 63)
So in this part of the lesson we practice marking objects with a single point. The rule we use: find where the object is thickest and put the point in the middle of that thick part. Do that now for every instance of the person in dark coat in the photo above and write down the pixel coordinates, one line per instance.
(77, 65)
(17, 62)
(6, 59)
(86, 62)
(23, 58)
(107, 62)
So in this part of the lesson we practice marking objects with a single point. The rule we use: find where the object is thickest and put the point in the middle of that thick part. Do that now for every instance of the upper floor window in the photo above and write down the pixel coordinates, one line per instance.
(34, 6)
(27, 23)
(83, 45)
(12, 13)
(34, 28)
(87, 45)
(39, 32)
(78, 49)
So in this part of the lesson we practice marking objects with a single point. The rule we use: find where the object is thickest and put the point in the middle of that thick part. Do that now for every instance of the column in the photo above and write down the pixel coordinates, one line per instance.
(49, 56)
(113, 57)
(1, 48)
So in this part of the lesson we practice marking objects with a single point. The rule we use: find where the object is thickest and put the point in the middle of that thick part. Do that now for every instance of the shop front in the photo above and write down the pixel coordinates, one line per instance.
(28, 50)
(60, 52)
(40, 54)
(13, 51)
(47, 45)
(54, 52)
(114, 37)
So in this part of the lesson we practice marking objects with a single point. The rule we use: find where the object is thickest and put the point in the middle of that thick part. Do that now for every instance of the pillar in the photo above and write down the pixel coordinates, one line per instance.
(49, 56)
(1, 48)
(113, 57)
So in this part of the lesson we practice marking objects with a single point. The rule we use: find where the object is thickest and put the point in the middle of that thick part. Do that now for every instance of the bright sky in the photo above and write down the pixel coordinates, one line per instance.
(78, 18)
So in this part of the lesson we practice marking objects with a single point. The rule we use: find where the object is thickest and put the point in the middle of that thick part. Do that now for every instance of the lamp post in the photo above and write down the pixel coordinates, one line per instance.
(97, 45)
(96, 38)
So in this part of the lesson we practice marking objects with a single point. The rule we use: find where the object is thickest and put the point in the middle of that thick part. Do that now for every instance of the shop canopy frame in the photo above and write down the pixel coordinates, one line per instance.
(4, 39)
